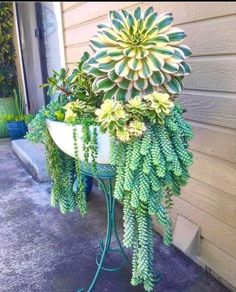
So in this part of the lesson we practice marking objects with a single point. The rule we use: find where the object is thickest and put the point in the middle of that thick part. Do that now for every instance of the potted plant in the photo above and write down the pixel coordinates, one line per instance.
(8, 80)
(17, 124)
(126, 115)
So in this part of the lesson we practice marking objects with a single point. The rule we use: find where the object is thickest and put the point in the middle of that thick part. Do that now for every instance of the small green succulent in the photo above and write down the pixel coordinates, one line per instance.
(138, 53)
(127, 121)
(158, 106)
(136, 107)
(136, 128)
(76, 110)
(111, 116)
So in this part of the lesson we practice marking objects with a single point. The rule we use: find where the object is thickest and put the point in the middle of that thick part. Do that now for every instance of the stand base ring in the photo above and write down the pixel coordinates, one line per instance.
(111, 269)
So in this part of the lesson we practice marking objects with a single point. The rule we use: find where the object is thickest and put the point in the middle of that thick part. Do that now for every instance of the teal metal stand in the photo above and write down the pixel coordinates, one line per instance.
(105, 176)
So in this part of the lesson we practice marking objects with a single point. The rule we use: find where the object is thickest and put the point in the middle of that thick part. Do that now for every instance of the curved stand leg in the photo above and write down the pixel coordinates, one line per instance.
(106, 186)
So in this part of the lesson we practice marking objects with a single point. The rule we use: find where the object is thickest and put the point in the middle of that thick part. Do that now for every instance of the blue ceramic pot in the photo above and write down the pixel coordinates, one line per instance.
(16, 129)
(88, 184)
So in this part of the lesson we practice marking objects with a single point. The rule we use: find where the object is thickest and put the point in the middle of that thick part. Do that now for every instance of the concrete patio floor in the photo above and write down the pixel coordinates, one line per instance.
(42, 250)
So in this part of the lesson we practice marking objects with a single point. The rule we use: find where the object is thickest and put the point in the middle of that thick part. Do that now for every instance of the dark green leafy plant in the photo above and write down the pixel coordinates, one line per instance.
(76, 86)
(38, 128)
(8, 80)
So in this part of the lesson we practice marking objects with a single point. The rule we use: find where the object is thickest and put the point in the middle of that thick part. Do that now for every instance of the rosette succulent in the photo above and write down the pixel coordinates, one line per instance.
(111, 116)
(78, 109)
(158, 106)
(138, 53)
(136, 107)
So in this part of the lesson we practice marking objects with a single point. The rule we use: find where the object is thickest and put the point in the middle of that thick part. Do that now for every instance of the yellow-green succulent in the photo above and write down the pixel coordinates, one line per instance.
(126, 120)
(76, 110)
(136, 106)
(136, 128)
(158, 106)
(111, 116)
(160, 102)
(123, 134)
(70, 116)
(138, 53)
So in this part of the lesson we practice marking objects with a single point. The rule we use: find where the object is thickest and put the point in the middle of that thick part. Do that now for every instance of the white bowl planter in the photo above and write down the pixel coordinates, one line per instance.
(62, 135)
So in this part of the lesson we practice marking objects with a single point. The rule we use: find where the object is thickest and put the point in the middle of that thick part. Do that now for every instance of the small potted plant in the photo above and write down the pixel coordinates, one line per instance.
(17, 124)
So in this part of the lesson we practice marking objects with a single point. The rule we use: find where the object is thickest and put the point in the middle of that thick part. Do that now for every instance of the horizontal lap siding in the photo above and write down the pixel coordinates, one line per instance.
(209, 199)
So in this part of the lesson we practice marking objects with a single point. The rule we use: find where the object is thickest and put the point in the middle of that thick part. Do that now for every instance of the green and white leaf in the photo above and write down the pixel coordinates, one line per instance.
(125, 84)
(122, 68)
(105, 84)
(174, 86)
(141, 84)
(170, 67)
(176, 36)
(165, 21)
(157, 78)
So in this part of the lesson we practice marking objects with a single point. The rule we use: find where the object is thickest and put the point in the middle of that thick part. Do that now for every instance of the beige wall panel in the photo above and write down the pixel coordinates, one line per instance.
(218, 233)
(216, 141)
(210, 107)
(183, 11)
(80, 14)
(193, 11)
(212, 73)
(81, 34)
(220, 262)
(216, 203)
(73, 54)
(211, 36)
(201, 36)
(216, 172)
(70, 5)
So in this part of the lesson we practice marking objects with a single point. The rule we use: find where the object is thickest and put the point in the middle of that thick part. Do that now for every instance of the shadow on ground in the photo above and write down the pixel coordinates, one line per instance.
(42, 250)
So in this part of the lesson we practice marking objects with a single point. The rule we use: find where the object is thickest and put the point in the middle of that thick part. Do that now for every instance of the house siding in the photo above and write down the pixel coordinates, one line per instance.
(209, 97)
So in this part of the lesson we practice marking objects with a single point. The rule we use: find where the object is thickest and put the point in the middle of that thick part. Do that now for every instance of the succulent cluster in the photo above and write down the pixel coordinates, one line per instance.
(127, 121)
(150, 170)
(138, 53)
(76, 110)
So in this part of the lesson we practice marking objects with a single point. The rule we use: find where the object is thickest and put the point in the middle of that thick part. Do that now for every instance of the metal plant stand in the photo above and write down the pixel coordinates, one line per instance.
(105, 176)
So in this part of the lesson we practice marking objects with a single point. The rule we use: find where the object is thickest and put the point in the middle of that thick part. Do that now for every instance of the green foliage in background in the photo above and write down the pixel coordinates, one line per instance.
(20, 110)
(8, 80)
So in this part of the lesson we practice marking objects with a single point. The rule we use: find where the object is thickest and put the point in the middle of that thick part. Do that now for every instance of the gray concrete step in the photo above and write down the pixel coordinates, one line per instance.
(33, 158)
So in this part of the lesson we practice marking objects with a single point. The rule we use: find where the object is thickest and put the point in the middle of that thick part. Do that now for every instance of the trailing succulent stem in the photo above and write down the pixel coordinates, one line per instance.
(150, 171)
(61, 168)
(80, 194)
(67, 184)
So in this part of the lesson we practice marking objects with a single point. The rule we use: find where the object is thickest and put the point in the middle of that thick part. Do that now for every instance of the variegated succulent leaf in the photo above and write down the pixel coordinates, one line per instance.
(138, 53)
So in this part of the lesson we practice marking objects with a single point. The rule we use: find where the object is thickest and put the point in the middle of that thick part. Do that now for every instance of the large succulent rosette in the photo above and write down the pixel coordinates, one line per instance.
(136, 54)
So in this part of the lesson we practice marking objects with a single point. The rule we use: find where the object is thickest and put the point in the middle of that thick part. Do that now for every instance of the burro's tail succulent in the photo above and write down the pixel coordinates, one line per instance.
(138, 53)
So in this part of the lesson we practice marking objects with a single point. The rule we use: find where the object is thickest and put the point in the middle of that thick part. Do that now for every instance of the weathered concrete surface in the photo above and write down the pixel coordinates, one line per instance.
(42, 250)
(33, 158)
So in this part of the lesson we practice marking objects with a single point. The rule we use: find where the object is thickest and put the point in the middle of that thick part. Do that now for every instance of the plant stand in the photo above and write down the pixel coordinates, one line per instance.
(105, 176)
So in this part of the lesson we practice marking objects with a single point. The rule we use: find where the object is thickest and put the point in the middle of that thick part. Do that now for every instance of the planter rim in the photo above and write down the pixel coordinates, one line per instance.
(62, 135)
(76, 125)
